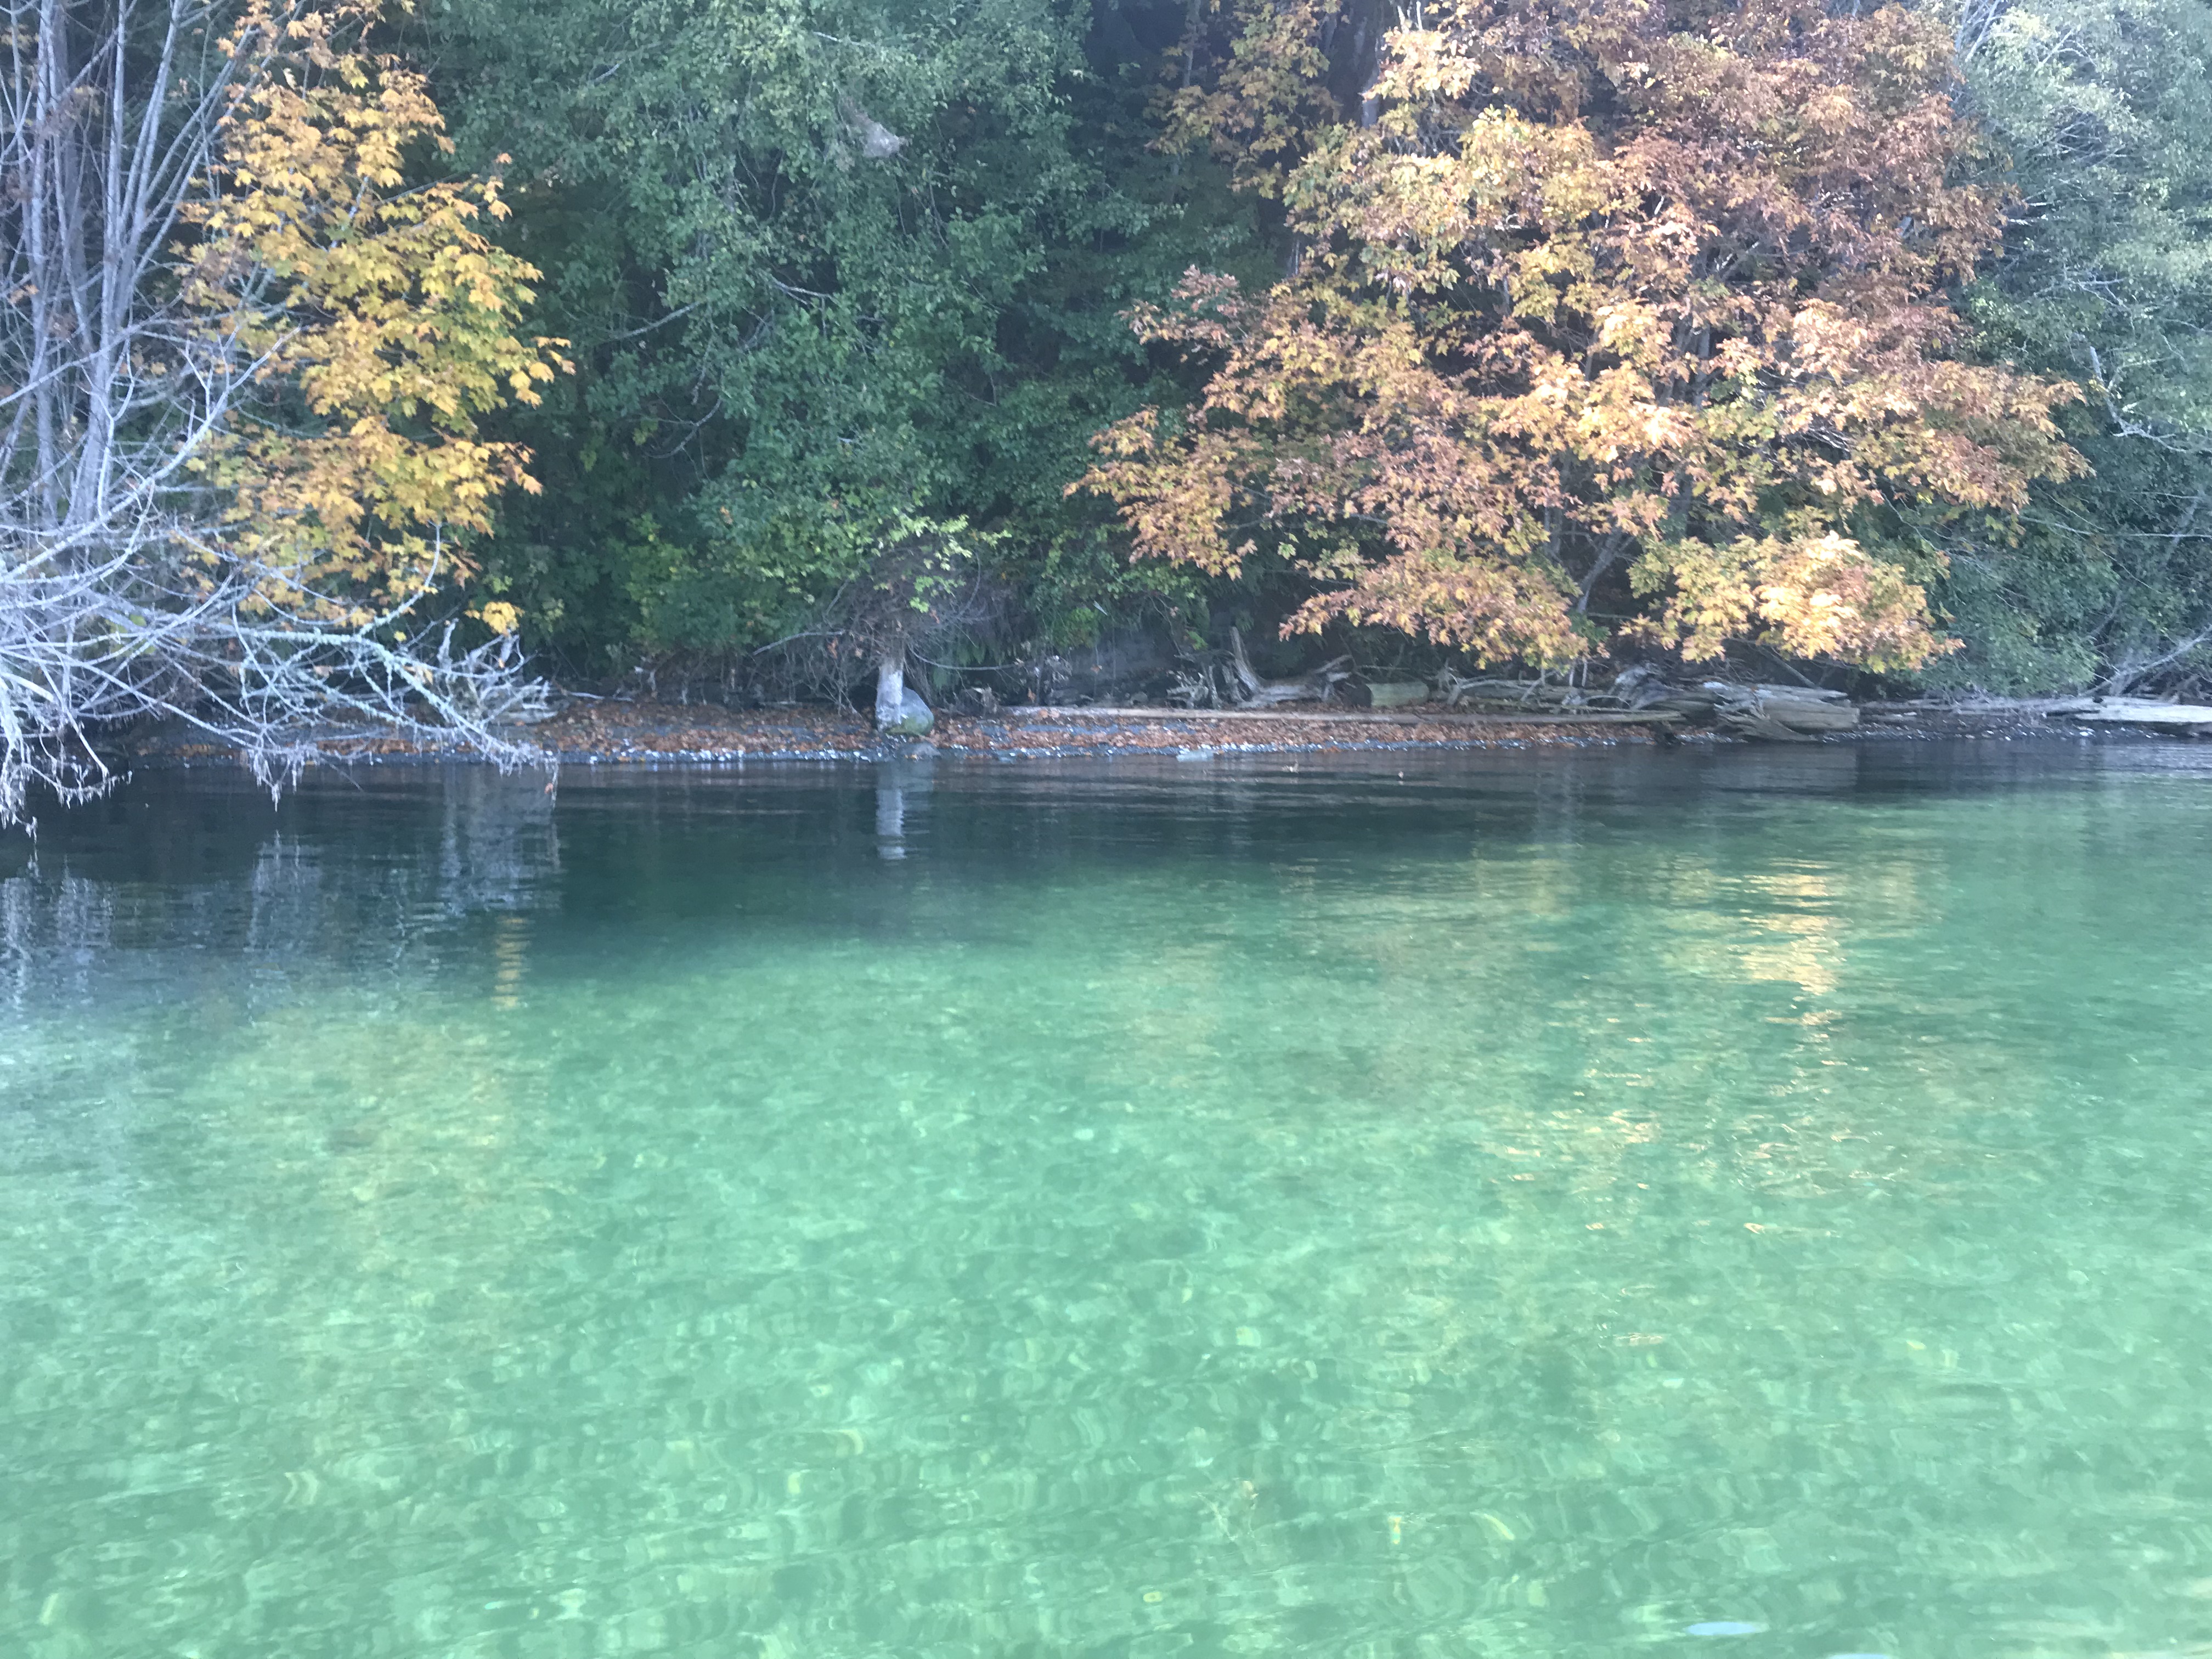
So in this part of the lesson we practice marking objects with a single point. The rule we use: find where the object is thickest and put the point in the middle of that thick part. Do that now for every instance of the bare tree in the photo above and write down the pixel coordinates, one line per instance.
(126, 591)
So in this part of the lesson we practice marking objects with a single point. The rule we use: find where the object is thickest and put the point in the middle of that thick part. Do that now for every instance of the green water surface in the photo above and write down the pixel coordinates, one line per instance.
(1746, 1204)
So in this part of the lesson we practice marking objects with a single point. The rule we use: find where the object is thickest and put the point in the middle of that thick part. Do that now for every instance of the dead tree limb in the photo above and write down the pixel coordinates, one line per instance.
(1256, 693)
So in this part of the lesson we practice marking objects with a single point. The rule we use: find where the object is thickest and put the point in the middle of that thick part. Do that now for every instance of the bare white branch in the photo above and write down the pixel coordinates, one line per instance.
(124, 597)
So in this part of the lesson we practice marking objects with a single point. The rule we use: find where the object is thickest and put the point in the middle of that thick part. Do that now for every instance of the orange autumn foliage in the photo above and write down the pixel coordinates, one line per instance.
(1607, 288)
(374, 323)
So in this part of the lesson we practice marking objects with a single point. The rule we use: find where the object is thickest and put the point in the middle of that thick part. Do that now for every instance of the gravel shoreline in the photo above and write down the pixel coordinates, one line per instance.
(643, 733)
(611, 733)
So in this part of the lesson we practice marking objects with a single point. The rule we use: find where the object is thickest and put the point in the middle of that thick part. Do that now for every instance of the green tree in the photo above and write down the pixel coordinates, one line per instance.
(839, 274)
(2099, 113)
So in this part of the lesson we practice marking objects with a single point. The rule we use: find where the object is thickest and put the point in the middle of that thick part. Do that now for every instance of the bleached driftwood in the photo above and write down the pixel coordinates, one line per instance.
(1396, 693)
(1456, 689)
(2194, 719)
(1781, 714)
(1777, 713)
(1256, 693)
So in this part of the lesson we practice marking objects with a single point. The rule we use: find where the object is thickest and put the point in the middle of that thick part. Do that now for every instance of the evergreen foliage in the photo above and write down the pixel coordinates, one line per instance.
(841, 276)
(2099, 113)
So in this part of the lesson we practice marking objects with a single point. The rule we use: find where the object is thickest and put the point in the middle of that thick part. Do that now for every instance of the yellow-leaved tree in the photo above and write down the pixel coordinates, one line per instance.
(243, 359)
(1596, 306)
(377, 323)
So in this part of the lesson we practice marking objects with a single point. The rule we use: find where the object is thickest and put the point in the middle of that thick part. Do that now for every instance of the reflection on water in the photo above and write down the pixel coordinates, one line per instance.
(110, 896)
(1527, 1207)
(901, 786)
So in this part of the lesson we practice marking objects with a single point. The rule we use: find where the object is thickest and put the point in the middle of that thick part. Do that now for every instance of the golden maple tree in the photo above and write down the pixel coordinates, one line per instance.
(1596, 289)
(375, 322)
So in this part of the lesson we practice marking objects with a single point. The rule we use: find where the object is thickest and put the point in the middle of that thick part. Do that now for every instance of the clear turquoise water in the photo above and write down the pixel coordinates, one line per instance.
(1542, 1206)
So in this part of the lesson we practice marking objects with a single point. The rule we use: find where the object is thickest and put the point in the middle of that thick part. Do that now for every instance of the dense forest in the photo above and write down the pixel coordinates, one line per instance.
(746, 349)
(1529, 330)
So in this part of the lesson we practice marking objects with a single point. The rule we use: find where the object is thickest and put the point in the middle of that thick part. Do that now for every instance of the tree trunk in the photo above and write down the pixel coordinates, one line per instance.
(890, 688)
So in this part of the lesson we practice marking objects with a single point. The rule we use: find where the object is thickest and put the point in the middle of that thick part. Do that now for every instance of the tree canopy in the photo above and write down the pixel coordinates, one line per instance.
(1591, 288)
(839, 272)
(1524, 331)
(750, 341)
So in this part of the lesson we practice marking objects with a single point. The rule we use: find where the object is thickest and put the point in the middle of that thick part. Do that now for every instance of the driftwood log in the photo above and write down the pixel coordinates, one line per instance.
(1777, 714)
(1256, 693)
(1781, 714)
(1397, 693)
(1641, 695)
(2194, 719)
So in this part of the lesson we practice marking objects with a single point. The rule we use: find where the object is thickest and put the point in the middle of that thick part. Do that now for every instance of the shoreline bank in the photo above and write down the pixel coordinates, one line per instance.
(609, 733)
